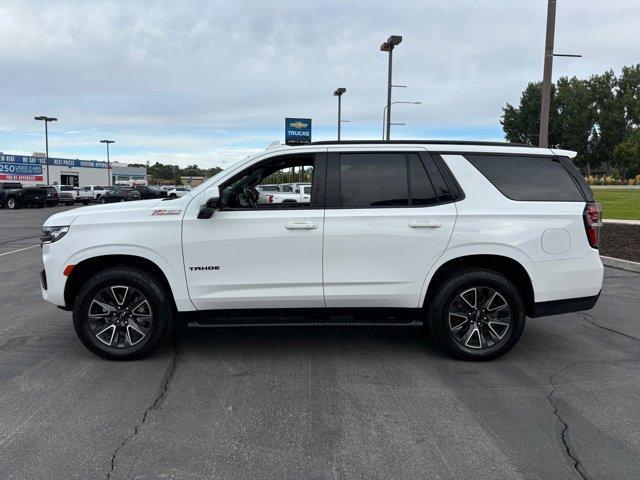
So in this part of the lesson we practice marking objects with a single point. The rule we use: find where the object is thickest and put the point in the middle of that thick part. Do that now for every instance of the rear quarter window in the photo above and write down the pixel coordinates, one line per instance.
(528, 178)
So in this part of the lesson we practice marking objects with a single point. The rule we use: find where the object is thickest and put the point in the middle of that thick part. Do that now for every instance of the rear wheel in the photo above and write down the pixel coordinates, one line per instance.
(476, 315)
(122, 313)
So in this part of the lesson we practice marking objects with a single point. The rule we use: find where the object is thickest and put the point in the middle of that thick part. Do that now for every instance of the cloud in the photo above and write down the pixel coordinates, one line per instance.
(211, 79)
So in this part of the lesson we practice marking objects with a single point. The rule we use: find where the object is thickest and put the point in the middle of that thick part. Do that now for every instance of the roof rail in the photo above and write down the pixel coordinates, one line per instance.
(421, 142)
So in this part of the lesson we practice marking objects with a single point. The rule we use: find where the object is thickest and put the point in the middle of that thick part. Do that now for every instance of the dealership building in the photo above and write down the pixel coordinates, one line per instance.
(65, 171)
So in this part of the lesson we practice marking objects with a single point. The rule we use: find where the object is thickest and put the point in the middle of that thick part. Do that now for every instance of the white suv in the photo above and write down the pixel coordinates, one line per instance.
(467, 238)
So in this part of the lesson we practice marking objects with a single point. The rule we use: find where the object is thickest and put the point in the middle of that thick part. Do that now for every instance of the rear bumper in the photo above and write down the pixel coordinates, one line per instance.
(557, 307)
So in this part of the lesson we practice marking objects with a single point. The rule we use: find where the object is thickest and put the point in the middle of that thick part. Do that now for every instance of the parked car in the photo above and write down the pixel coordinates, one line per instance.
(178, 192)
(150, 192)
(301, 195)
(66, 194)
(10, 195)
(34, 197)
(464, 238)
(96, 191)
(120, 194)
(52, 195)
(83, 196)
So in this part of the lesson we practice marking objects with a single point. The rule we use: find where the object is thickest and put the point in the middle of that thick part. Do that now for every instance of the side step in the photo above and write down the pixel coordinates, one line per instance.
(302, 317)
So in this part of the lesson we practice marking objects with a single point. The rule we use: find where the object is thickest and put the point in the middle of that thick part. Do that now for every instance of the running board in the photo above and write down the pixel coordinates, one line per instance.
(302, 317)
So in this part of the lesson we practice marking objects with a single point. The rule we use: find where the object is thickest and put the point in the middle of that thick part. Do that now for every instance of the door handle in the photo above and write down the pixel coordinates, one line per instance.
(424, 224)
(300, 226)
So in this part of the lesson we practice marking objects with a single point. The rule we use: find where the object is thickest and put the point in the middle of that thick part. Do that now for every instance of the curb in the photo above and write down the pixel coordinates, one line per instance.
(621, 222)
(621, 264)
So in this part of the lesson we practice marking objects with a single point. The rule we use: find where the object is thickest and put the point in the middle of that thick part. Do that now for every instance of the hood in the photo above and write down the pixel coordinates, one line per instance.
(109, 210)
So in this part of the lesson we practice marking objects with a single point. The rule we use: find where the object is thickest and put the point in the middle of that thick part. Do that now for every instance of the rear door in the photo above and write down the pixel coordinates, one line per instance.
(388, 217)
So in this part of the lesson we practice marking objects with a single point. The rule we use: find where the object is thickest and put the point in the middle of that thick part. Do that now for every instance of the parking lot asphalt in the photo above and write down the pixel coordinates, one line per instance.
(313, 403)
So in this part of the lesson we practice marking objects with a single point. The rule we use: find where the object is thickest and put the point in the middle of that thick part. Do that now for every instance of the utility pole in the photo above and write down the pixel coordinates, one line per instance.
(46, 121)
(338, 93)
(545, 103)
(388, 46)
(108, 160)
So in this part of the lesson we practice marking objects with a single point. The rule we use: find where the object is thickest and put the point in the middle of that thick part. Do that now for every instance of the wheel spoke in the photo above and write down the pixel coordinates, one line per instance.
(107, 309)
(457, 321)
(470, 297)
(119, 293)
(107, 332)
(497, 301)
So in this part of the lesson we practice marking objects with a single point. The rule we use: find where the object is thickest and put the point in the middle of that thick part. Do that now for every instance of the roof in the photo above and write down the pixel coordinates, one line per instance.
(420, 142)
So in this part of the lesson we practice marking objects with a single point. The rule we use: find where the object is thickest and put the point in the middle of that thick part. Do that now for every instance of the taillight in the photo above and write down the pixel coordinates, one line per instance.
(270, 198)
(592, 222)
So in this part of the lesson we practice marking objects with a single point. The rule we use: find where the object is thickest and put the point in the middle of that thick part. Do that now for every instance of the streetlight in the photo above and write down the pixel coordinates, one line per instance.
(384, 112)
(545, 101)
(46, 120)
(108, 160)
(338, 93)
(388, 46)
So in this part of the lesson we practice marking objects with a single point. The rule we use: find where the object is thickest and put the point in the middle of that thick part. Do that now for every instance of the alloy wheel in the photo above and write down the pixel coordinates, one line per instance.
(479, 318)
(120, 317)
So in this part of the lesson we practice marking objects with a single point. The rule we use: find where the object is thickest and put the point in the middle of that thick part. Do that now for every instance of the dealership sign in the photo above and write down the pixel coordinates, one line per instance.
(58, 162)
(21, 171)
(297, 131)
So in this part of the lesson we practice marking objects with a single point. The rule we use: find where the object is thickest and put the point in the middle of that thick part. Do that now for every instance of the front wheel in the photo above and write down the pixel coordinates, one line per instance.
(476, 315)
(122, 313)
(85, 202)
(13, 204)
(102, 201)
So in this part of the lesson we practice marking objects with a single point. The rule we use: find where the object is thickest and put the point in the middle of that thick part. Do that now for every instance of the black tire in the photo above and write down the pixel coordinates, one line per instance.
(85, 203)
(447, 327)
(102, 201)
(13, 204)
(149, 288)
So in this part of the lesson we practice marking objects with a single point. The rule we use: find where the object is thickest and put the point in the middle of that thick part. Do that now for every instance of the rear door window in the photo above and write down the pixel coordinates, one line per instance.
(422, 191)
(528, 178)
(373, 180)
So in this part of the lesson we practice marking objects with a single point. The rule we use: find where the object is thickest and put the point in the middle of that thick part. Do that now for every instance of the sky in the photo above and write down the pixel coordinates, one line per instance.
(210, 82)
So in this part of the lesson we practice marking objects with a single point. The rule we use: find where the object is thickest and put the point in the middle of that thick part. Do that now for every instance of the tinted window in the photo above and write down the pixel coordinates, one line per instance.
(528, 178)
(442, 189)
(422, 192)
(373, 180)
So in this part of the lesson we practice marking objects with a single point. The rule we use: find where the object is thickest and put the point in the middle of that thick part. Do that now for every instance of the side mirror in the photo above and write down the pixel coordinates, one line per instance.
(209, 208)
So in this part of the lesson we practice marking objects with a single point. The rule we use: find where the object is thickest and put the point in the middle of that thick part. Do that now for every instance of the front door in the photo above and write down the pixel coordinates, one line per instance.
(387, 221)
(250, 255)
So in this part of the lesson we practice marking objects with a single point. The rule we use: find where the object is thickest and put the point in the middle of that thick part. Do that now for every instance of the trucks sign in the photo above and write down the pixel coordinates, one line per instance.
(297, 131)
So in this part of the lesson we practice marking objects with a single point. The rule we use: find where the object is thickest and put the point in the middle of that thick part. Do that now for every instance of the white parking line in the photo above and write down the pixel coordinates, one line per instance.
(19, 250)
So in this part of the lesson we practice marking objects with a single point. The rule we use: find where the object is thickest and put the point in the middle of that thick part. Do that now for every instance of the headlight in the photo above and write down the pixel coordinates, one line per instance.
(53, 234)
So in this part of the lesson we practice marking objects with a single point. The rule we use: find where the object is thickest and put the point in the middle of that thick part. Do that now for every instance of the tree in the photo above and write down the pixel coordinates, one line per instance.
(522, 124)
(626, 155)
(610, 127)
(576, 118)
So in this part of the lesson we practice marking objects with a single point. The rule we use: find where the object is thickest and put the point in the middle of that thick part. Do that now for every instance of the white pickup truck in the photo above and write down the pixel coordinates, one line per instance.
(96, 191)
(301, 195)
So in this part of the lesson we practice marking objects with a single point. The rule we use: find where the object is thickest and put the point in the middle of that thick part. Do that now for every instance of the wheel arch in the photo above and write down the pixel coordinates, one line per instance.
(90, 266)
(507, 266)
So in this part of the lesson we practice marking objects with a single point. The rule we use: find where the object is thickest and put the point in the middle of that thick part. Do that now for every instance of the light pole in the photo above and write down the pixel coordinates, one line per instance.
(46, 120)
(384, 115)
(108, 160)
(545, 101)
(388, 46)
(338, 93)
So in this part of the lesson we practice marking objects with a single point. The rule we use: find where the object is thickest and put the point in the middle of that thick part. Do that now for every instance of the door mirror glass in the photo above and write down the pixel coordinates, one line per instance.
(209, 208)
